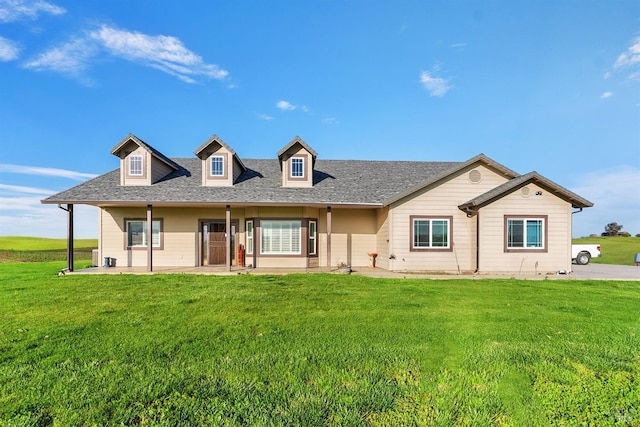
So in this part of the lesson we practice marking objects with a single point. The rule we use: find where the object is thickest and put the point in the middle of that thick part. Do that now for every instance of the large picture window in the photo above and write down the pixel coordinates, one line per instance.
(525, 233)
(280, 237)
(137, 233)
(430, 233)
(135, 165)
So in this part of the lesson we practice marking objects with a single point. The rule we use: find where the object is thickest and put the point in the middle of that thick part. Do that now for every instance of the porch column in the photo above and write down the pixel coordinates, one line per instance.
(149, 238)
(228, 237)
(70, 237)
(329, 236)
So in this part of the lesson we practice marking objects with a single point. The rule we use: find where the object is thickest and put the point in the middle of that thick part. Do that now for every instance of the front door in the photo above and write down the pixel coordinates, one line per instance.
(217, 244)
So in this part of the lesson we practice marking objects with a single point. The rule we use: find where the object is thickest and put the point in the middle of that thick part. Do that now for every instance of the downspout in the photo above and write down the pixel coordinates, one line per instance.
(578, 211)
(471, 213)
(69, 210)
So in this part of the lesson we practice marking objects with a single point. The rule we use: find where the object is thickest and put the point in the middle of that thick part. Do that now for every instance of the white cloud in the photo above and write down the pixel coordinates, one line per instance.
(629, 57)
(8, 50)
(14, 10)
(165, 53)
(607, 94)
(330, 121)
(285, 106)
(34, 170)
(458, 45)
(5, 188)
(70, 58)
(616, 198)
(436, 86)
(265, 117)
(48, 221)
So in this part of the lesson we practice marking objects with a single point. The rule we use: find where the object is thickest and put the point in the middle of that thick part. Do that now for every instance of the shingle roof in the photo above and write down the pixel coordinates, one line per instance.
(336, 182)
(519, 182)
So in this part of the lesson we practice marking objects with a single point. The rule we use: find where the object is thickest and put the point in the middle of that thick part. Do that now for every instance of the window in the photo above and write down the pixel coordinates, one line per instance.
(137, 233)
(249, 228)
(135, 165)
(313, 225)
(280, 237)
(217, 166)
(297, 167)
(525, 233)
(430, 233)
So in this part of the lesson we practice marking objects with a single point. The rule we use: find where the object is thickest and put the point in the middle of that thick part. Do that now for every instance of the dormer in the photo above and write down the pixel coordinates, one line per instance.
(221, 166)
(140, 163)
(297, 160)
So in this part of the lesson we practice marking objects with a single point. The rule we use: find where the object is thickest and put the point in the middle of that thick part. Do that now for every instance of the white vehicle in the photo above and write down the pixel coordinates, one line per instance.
(583, 253)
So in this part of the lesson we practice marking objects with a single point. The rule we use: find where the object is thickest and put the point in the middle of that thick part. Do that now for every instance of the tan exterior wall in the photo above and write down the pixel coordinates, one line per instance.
(441, 201)
(287, 180)
(145, 179)
(229, 174)
(493, 257)
(159, 170)
(382, 238)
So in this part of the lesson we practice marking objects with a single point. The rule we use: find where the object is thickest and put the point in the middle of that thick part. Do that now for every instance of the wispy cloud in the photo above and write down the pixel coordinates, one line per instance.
(607, 94)
(436, 86)
(14, 10)
(4, 188)
(458, 45)
(165, 53)
(9, 50)
(330, 121)
(34, 170)
(629, 57)
(285, 105)
(265, 117)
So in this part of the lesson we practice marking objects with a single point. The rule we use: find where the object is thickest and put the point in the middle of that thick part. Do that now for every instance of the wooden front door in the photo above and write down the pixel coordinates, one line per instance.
(217, 244)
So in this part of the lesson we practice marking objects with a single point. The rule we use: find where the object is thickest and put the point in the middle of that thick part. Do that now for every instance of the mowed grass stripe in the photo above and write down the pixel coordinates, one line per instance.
(315, 350)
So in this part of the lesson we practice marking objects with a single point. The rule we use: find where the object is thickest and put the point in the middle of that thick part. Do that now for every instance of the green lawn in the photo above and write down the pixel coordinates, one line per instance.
(615, 250)
(315, 349)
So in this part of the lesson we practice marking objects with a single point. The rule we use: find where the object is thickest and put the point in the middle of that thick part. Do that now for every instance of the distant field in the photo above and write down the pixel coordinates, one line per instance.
(615, 250)
(38, 249)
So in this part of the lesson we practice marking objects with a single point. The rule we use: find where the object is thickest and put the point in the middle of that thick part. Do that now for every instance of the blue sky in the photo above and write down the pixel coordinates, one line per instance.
(550, 86)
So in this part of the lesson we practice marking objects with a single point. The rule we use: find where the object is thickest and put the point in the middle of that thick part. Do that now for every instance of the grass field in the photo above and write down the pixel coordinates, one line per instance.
(315, 349)
(37, 249)
(615, 250)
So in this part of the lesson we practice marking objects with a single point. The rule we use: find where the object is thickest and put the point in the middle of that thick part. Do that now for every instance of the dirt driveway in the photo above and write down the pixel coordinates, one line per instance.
(605, 271)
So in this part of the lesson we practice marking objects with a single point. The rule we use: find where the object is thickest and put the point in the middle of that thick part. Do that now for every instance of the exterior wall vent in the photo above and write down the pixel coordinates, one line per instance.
(526, 192)
(475, 176)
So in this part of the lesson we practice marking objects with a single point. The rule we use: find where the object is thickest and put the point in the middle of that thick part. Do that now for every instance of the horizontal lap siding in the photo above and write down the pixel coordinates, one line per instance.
(382, 238)
(492, 232)
(441, 201)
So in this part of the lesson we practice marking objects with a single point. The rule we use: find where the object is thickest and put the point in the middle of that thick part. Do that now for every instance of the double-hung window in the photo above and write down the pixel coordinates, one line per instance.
(525, 233)
(429, 233)
(135, 165)
(217, 166)
(249, 229)
(297, 167)
(313, 233)
(137, 233)
(280, 237)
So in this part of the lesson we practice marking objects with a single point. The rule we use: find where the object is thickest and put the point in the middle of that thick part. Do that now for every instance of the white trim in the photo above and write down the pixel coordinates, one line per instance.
(293, 161)
(211, 166)
(140, 158)
(313, 238)
(249, 237)
(430, 244)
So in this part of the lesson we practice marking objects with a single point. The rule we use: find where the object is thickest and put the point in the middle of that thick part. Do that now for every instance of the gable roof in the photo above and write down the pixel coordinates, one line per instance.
(155, 153)
(519, 182)
(429, 181)
(216, 139)
(299, 141)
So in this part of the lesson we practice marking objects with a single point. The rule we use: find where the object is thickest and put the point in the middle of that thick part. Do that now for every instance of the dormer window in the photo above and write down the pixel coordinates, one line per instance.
(217, 166)
(135, 165)
(297, 167)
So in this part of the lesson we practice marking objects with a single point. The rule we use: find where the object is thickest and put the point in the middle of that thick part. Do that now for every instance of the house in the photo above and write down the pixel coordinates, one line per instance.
(298, 211)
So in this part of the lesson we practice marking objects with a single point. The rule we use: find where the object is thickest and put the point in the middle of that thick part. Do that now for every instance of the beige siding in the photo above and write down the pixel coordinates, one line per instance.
(492, 233)
(282, 262)
(145, 179)
(159, 170)
(382, 238)
(214, 181)
(441, 201)
(297, 151)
